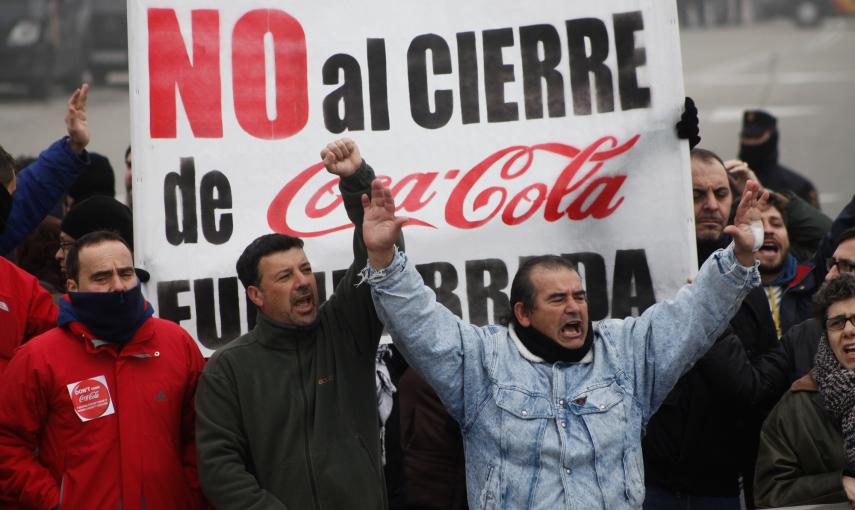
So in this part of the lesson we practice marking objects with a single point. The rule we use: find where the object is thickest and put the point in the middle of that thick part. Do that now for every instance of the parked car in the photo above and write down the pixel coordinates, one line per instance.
(807, 13)
(110, 40)
(44, 42)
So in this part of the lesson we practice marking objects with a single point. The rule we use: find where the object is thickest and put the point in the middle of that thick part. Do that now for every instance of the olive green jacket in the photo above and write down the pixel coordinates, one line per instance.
(801, 456)
(287, 416)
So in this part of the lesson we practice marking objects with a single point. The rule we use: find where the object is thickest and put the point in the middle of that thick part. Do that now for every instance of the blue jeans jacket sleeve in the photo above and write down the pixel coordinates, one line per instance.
(669, 337)
(446, 350)
(40, 186)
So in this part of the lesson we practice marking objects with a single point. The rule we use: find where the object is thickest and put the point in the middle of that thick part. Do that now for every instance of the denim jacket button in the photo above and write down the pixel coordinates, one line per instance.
(567, 470)
(561, 402)
(602, 407)
(563, 424)
(524, 412)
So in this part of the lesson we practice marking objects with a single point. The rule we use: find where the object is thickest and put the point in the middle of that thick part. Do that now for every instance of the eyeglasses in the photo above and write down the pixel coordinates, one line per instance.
(843, 266)
(65, 245)
(838, 322)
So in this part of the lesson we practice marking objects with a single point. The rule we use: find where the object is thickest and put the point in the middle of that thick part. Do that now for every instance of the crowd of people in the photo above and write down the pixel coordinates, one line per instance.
(737, 393)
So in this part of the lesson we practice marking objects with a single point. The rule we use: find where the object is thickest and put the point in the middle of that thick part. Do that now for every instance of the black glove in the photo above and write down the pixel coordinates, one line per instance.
(688, 128)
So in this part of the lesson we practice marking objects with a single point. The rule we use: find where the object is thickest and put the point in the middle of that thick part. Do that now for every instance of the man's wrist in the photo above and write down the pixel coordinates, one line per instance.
(382, 259)
(76, 147)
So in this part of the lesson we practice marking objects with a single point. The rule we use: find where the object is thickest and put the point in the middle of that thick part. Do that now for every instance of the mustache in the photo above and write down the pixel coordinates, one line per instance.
(710, 217)
(301, 293)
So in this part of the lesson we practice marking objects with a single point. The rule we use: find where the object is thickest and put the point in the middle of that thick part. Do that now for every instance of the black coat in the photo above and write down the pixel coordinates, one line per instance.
(705, 432)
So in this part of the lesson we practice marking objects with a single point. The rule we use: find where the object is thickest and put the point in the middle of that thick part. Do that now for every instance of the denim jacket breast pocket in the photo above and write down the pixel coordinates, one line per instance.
(524, 417)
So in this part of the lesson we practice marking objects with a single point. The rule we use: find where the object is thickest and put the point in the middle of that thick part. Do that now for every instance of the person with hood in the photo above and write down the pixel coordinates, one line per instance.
(807, 446)
(98, 412)
(758, 148)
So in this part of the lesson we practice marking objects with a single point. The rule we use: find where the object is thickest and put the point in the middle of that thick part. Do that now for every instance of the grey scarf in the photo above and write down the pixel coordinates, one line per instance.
(837, 387)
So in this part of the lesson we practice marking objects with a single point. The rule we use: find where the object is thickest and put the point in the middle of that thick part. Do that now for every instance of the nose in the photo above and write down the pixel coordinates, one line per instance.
(301, 279)
(59, 255)
(117, 284)
(710, 203)
(571, 306)
(831, 274)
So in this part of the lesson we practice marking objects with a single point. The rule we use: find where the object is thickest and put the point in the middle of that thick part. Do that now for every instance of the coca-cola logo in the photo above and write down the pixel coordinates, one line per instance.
(500, 186)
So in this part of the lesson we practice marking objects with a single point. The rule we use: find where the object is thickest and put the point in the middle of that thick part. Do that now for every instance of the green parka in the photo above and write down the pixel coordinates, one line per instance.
(801, 456)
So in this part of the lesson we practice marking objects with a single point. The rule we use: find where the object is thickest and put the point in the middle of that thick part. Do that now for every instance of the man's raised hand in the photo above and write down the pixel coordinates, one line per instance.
(75, 120)
(380, 227)
(341, 157)
(753, 200)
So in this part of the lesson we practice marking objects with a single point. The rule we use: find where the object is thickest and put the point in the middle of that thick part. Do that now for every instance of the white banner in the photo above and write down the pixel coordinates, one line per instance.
(506, 129)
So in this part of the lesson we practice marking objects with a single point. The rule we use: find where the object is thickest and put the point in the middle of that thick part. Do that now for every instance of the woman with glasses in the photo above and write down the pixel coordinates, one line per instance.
(807, 446)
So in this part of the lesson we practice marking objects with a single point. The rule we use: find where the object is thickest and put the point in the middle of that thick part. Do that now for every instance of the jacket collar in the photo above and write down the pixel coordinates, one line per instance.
(276, 335)
(805, 383)
(534, 358)
(139, 346)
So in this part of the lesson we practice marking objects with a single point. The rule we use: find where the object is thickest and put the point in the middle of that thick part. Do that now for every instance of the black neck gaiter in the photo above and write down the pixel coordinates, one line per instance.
(761, 158)
(548, 349)
(111, 316)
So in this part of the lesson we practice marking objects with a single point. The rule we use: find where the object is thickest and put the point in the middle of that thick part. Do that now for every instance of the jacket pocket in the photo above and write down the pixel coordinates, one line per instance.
(597, 399)
(522, 404)
(487, 500)
(634, 476)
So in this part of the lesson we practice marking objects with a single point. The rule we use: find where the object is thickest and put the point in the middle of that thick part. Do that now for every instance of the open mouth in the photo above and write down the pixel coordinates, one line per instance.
(572, 328)
(769, 248)
(303, 304)
(849, 349)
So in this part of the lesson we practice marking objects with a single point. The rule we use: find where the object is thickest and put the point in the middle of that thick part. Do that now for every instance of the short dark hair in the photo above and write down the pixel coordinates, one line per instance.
(247, 263)
(840, 288)
(522, 289)
(7, 167)
(72, 260)
(844, 236)
(780, 202)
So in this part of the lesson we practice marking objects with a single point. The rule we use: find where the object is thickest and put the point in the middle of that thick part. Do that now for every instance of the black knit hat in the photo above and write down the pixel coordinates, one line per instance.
(98, 179)
(99, 213)
(102, 213)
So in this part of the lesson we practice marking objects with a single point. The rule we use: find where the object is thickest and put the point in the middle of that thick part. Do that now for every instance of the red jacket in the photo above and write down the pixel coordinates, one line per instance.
(86, 427)
(26, 309)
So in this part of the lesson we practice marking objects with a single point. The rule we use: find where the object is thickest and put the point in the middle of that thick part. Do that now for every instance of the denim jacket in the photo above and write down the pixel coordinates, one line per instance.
(557, 435)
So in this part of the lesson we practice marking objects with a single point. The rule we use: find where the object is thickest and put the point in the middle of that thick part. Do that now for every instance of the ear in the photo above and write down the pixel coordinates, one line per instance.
(521, 315)
(71, 285)
(255, 295)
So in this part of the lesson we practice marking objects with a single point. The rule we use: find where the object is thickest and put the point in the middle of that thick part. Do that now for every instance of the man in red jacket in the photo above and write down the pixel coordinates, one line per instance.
(98, 412)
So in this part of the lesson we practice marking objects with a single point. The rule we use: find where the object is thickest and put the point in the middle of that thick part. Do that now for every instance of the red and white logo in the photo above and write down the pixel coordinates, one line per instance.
(91, 398)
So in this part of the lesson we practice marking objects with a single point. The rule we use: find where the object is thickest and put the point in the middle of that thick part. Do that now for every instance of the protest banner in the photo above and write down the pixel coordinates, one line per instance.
(505, 130)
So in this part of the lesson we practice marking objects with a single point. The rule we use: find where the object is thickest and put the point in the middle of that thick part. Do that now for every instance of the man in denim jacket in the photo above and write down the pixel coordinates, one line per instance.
(553, 408)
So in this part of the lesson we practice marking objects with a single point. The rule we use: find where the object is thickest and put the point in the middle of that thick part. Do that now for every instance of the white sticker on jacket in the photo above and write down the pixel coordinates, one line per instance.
(91, 398)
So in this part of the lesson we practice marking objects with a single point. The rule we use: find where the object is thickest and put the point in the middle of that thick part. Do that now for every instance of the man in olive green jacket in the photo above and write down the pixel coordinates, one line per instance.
(286, 415)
